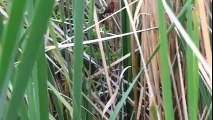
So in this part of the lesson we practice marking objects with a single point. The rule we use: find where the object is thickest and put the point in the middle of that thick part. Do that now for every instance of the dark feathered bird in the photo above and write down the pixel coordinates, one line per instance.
(110, 8)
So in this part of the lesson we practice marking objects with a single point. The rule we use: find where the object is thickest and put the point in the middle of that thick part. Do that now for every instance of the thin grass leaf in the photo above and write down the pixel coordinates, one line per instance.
(31, 92)
(78, 58)
(1, 28)
(192, 66)
(42, 85)
(166, 82)
(90, 35)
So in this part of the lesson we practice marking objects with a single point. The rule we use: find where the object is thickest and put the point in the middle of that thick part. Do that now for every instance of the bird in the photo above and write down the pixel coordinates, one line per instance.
(110, 8)
(102, 10)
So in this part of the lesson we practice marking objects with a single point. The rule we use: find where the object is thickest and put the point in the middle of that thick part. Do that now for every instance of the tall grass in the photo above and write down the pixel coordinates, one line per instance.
(166, 81)
(148, 59)
(78, 58)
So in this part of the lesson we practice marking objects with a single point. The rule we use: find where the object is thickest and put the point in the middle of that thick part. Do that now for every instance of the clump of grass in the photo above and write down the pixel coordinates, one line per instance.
(67, 60)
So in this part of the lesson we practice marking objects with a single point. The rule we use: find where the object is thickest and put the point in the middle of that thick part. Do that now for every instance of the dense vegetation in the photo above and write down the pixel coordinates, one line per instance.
(106, 59)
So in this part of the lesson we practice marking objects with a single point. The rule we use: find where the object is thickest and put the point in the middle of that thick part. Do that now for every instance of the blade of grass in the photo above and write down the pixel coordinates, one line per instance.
(42, 85)
(78, 58)
(166, 82)
(91, 22)
(125, 25)
(190, 71)
(9, 45)
(126, 41)
(31, 92)
(192, 66)
(29, 10)
(23, 111)
(1, 28)
(30, 53)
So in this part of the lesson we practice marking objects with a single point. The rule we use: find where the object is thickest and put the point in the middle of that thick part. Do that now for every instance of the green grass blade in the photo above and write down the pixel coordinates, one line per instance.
(192, 65)
(126, 48)
(153, 111)
(166, 82)
(31, 92)
(42, 85)
(30, 53)
(90, 35)
(1, 28)
(126, 40)
(23, 112)
(78, 58)
(29, 9)
(9, 46)
(190, 60)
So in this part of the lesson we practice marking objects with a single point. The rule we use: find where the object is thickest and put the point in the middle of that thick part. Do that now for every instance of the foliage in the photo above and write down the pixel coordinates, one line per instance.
(70, 59)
